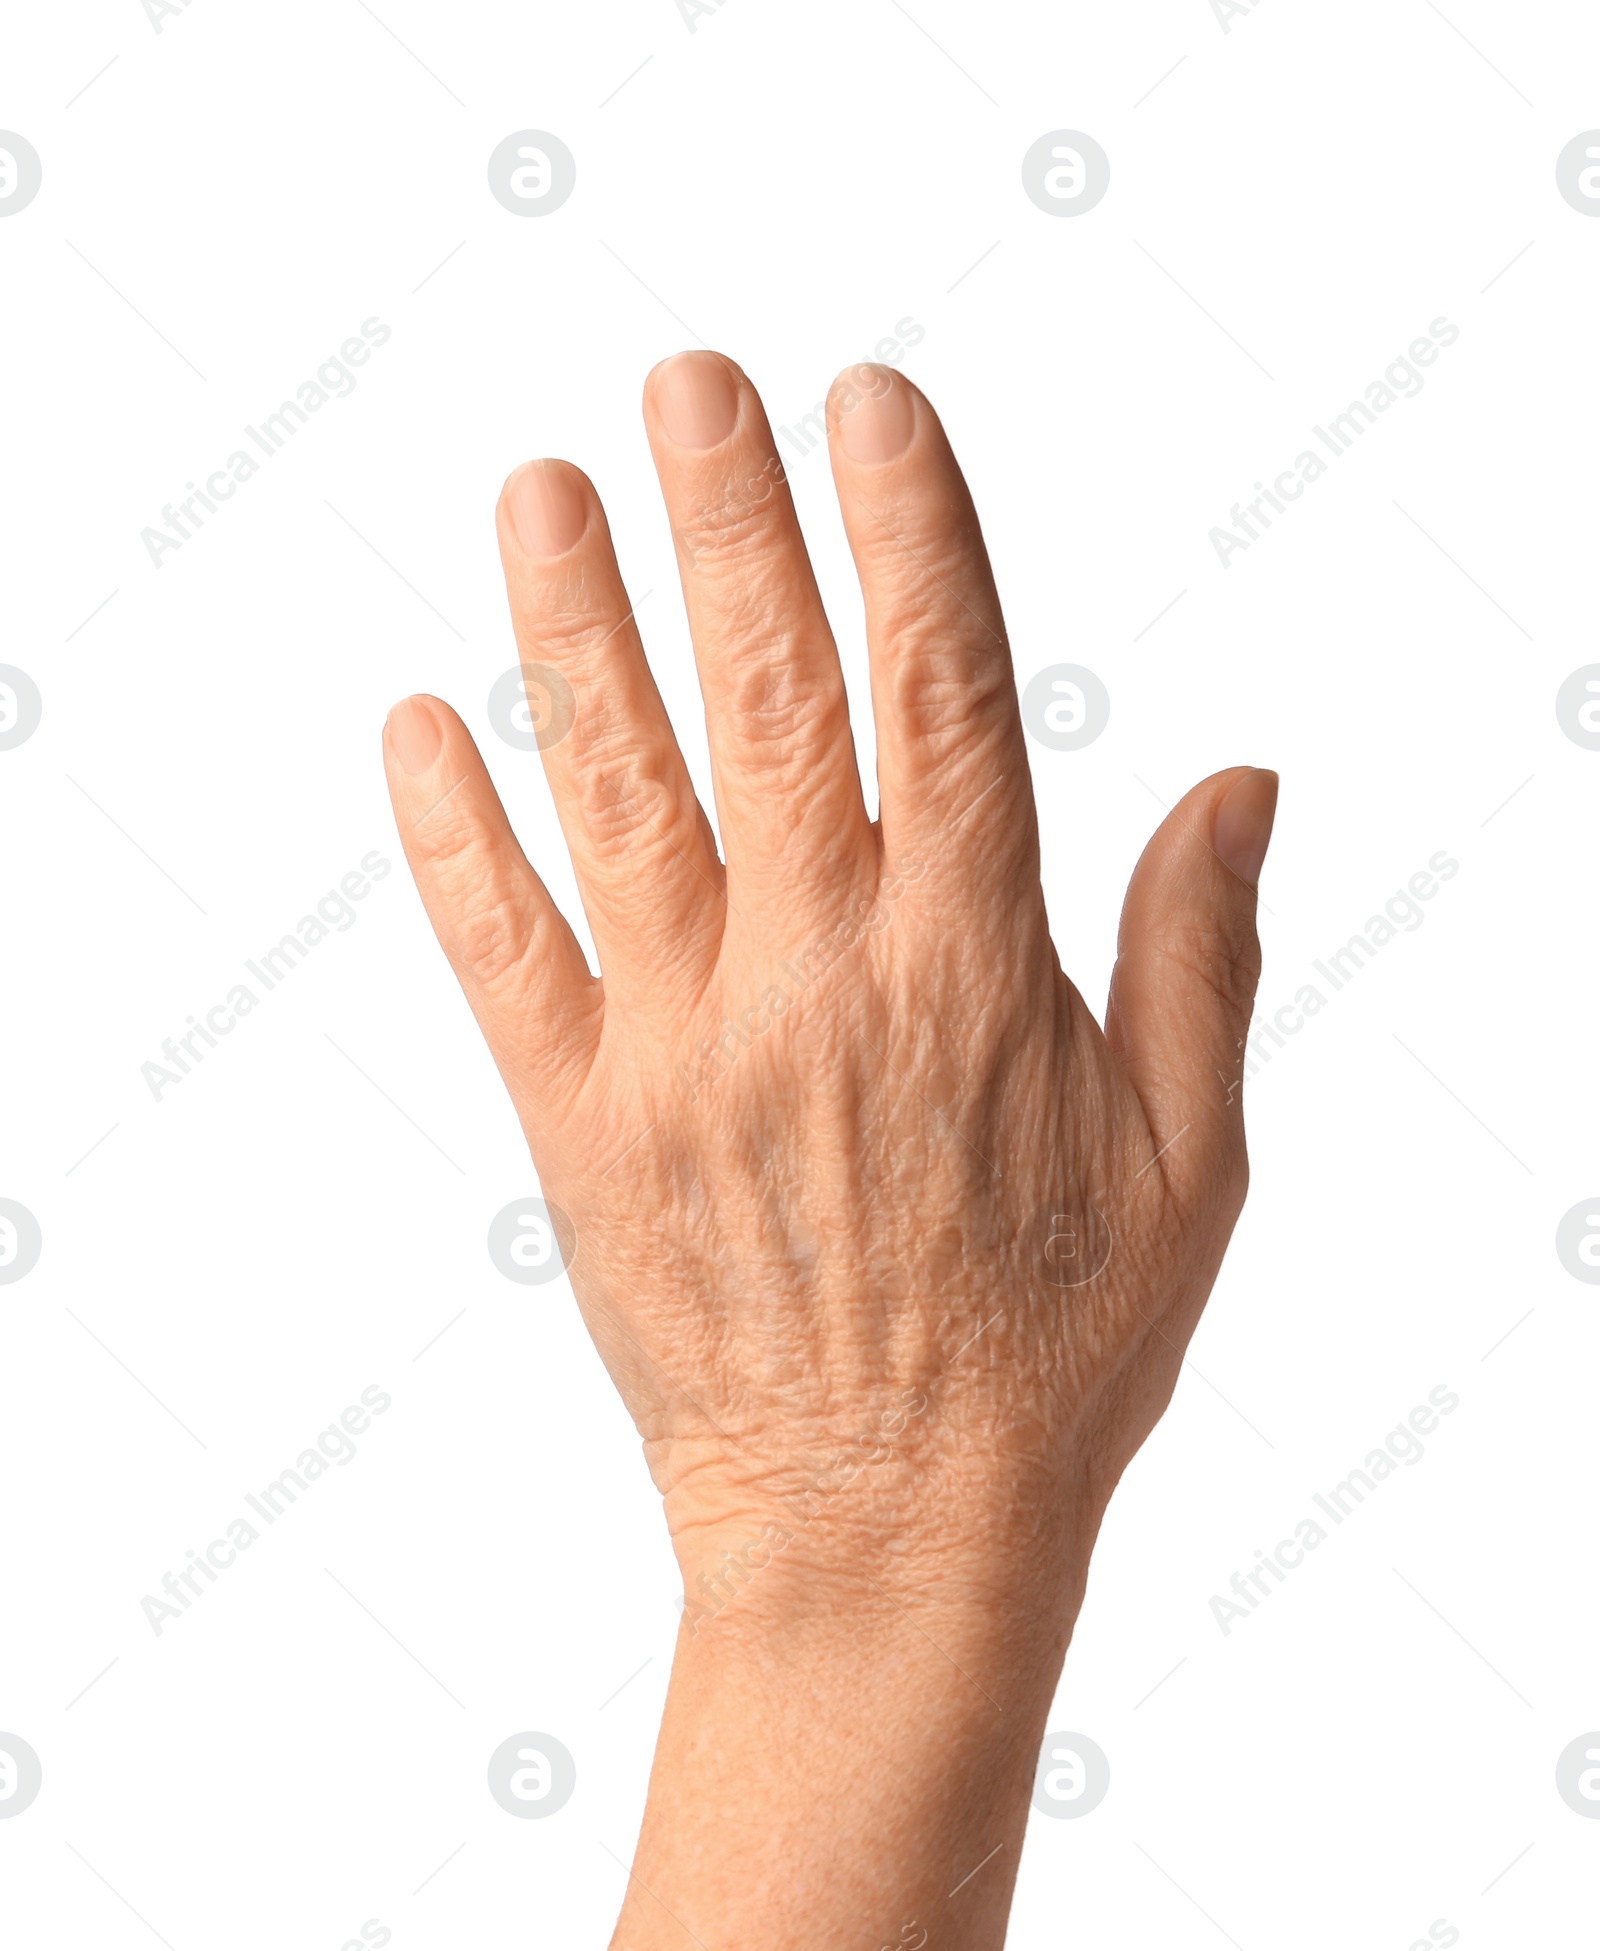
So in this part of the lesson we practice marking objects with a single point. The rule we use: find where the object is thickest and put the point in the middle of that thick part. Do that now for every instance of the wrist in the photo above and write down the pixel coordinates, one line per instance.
(805, 1561)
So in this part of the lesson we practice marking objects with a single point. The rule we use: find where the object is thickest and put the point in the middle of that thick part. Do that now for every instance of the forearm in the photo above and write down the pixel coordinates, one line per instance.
(854, 1774)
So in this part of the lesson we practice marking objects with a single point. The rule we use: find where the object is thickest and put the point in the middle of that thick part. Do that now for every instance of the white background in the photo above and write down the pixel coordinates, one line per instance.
(228, 1268)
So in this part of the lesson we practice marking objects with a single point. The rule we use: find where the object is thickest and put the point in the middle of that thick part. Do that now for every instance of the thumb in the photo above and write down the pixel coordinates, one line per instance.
(1185, 981)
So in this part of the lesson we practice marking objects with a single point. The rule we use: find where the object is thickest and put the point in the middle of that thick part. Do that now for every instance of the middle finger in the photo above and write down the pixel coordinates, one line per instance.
(794, 824)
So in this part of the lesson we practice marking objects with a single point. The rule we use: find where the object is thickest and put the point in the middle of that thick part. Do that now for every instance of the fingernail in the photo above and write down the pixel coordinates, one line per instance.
(548, 508)
(875, 413)
(1242, 826)
(416, 734)
(697, 399)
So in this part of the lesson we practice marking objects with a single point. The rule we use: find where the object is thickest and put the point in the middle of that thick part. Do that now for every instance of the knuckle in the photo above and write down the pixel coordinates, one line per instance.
(948, 658)
(626, 795)
(494, 938)
(447, 833)
(943, 690)
(488, 925)
(739, 520)
(784, 721)
(569, 636)
(916, 548)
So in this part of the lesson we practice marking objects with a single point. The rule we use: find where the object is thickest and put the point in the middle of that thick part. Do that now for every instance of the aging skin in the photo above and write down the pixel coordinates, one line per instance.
(894, 1278)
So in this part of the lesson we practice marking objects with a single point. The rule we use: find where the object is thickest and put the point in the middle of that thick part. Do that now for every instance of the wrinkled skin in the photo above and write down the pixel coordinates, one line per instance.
(891, 1251)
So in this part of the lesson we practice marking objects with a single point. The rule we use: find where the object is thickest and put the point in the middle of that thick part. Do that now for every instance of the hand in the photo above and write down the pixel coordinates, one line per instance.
(892, 1253)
